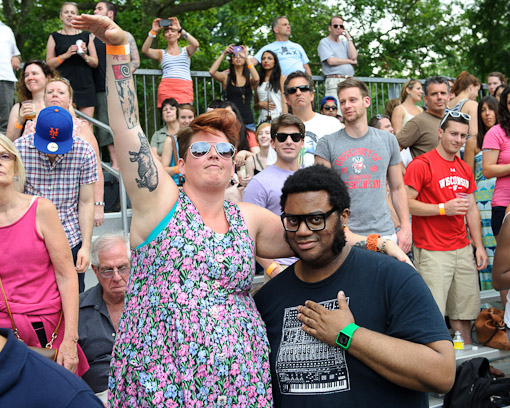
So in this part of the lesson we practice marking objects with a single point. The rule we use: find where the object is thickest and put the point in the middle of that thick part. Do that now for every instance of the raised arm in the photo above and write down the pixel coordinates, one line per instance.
(135, 55)
(151, 190)
(213, 71)
(193, 42)
(147, 49)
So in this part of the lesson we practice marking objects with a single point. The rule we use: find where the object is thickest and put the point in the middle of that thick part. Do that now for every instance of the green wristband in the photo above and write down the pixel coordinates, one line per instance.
(344, 337)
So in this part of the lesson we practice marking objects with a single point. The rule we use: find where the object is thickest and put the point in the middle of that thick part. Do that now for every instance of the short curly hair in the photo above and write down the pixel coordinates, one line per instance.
(317, 178)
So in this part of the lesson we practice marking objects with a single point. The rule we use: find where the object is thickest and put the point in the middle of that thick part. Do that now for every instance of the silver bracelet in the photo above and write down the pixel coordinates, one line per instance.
(101, 203)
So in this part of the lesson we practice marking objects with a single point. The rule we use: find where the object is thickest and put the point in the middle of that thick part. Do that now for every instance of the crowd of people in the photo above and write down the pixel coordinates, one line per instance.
(368, 232)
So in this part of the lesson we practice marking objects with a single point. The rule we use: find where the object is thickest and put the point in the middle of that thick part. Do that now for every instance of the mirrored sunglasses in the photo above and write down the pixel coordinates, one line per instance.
(200, 149)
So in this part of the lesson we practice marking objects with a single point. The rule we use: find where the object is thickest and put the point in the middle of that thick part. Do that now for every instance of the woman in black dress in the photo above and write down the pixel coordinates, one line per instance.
(73, 54)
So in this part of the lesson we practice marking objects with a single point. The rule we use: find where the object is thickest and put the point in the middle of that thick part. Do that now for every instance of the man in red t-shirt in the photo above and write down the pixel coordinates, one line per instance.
(440, 186)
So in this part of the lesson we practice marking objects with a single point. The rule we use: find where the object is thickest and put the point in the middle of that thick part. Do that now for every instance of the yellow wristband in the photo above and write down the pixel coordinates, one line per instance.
(118, 49)
(18, 126)
(176, 170)
(59, 60)
(441, 209)
(250, 66)
(270, 269)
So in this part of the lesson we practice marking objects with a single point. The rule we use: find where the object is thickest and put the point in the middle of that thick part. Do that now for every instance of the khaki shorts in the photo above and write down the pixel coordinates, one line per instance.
(452, 278)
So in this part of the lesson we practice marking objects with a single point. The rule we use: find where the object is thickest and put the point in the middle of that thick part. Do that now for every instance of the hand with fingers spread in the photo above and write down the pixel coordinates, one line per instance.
(324, 324)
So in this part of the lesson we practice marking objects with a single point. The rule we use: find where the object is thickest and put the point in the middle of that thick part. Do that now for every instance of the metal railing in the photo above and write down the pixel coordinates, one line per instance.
(207, 89)
(106, 167)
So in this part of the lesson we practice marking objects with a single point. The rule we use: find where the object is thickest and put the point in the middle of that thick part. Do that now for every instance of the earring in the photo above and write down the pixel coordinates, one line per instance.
(15, 178)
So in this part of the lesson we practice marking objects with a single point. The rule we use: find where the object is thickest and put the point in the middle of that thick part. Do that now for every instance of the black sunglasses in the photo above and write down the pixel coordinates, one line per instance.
(201, 149)
(330, 107)
(293, 89)
(282, 137)
(338, 26)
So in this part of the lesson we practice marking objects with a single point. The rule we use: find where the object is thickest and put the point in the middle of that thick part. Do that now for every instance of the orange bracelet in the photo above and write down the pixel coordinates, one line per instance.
(153, 33)
(176, 170)
(18, 126)
(59, 60)
(250, 66)
(441, 209)
(270, 269)
(118, 49)
(372, 242)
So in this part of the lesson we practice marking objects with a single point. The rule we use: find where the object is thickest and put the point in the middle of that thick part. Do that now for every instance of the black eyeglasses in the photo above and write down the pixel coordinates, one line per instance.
(200, 149)
(330, 107)
(454, 114)
(282, 137)
(338, 26)
(314, 222)
(293, 89)
(108, 273)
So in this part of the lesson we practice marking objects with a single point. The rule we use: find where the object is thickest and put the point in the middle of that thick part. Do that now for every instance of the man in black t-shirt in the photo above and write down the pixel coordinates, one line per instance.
(347, 326)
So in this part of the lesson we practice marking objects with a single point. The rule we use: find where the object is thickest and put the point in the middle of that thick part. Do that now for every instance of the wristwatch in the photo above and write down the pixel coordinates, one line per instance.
(345, 335)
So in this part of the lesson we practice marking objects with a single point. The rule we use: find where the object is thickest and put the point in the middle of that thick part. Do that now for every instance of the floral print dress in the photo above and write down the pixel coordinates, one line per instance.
(190, 334)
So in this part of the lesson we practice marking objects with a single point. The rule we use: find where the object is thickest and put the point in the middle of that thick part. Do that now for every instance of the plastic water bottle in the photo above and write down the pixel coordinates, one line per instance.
(458, 341)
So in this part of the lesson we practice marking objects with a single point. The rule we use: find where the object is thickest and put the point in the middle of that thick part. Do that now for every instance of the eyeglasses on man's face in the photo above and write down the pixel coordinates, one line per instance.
(314, 221)
(122, 270)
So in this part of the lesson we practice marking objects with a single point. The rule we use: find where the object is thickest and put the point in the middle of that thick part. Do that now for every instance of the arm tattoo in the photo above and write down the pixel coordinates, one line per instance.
(127, 96)
(147, 170)
(361, 244)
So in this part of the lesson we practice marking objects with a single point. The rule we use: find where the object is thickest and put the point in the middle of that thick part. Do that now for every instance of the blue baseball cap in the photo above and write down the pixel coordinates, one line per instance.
(54, 131)
(328, 98)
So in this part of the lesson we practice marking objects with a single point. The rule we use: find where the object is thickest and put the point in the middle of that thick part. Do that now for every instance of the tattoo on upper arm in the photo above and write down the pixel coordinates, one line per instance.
(125, 90)
(361, 244)
(147, 170)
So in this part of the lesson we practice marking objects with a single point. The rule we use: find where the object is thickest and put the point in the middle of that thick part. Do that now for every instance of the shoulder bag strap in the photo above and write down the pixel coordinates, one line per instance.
(15, 329)
(176, 157)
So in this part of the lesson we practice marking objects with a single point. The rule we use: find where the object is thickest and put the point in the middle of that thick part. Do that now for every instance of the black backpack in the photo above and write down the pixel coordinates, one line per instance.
(475, 387)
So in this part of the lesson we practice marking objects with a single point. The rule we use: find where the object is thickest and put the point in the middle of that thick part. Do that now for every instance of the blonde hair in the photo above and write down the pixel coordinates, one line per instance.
(407, 85)
(70, 3)
(66, 83)
(19, 168)
(261, 126)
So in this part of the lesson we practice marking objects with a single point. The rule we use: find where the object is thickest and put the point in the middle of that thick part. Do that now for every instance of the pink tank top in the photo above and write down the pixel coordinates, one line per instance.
(27, 273)
(29, 282)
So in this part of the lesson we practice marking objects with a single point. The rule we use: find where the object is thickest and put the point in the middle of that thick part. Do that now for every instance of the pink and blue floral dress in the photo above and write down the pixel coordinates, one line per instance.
(190, 335)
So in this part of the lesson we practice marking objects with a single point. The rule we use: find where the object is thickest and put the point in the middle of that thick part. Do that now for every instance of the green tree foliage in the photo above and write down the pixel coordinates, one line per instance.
(485, 43)
(395, 38)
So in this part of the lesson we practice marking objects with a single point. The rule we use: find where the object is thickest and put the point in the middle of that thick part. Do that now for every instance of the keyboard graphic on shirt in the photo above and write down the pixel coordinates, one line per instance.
(305, 365)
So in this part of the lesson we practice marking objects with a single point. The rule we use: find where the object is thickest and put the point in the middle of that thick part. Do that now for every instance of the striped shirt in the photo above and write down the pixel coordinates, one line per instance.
(176, 66)
(60, 181)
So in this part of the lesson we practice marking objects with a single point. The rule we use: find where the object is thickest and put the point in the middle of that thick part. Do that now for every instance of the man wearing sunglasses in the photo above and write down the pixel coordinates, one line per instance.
(440, 188)
(329, 107)
(292, 56)
(298, 90)
(367, 159)
(265, 189)
(346, 326)
(101, 307)
(338, 55)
